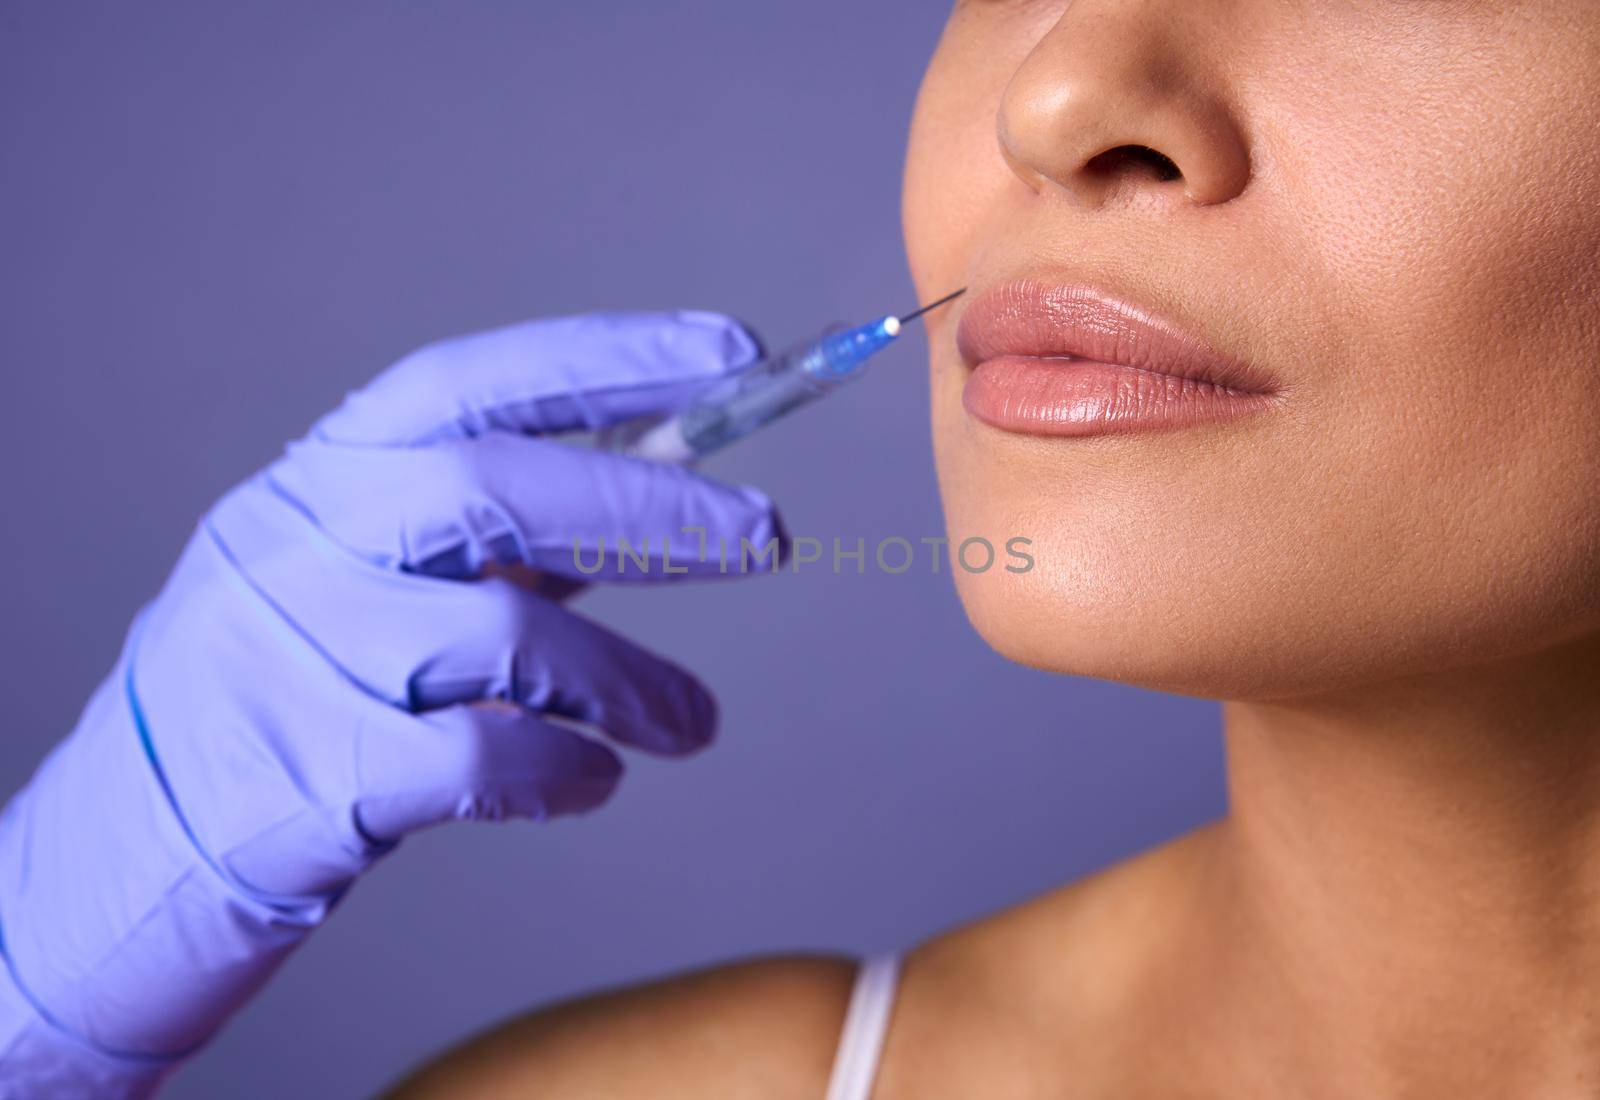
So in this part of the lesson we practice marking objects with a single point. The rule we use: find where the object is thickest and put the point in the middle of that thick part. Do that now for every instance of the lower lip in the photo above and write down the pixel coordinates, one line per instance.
(1080, 397)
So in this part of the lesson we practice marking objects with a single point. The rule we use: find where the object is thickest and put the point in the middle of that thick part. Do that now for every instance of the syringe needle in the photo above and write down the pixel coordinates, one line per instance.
(932, 305)
(748, 400)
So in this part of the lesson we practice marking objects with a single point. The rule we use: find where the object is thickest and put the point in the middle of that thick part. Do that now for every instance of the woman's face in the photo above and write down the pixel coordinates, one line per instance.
(1328, 272)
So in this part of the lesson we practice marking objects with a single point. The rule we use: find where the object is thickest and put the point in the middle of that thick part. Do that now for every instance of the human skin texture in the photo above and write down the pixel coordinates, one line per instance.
(1388, 569)
(1385, 206)
(1385, 563)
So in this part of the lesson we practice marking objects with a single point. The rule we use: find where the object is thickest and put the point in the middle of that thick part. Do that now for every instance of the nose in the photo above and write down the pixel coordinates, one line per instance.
(1114, 102)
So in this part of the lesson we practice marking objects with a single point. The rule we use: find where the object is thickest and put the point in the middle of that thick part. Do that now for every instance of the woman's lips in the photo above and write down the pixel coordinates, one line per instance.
(1070, 361)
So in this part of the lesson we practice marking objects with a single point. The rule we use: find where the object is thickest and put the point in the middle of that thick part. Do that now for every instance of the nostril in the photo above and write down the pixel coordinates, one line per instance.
(1132, 158)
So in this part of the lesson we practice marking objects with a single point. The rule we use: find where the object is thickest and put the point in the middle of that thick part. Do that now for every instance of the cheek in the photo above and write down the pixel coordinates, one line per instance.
(1468, 221)
(1461, 393)
(945, 197)
(956, 181)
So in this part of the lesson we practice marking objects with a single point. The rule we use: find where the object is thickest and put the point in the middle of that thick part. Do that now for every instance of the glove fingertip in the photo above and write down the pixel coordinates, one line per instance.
(766, 523)
(699, 716)
(590, 786)
(677, 719)
(703, 714)
(739, 345)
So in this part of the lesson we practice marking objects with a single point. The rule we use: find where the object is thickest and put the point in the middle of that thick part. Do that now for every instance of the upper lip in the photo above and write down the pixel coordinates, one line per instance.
(1050, 321)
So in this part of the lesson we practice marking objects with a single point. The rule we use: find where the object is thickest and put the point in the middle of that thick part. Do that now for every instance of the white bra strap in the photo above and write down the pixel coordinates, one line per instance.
(865, 1023)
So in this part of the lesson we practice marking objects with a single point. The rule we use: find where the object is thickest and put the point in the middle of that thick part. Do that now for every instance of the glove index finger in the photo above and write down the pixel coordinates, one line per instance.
(561, 374)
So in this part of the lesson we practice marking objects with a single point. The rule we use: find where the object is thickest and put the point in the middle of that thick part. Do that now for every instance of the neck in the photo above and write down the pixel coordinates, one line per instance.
(1415, 873)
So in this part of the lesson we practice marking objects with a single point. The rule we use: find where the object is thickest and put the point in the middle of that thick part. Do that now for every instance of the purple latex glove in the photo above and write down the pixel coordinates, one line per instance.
(303, 691)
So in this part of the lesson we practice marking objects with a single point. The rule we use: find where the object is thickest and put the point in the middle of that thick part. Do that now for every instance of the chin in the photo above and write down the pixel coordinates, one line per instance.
(1131, 582)
(1170, 599)
(1215, 635)
(1091, 628)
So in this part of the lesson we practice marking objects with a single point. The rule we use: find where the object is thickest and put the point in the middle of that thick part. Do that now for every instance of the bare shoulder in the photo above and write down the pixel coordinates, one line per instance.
(763, 1027)
(1051, 997)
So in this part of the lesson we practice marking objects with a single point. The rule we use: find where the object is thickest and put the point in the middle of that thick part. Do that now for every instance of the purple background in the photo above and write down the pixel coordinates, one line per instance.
(214, 219)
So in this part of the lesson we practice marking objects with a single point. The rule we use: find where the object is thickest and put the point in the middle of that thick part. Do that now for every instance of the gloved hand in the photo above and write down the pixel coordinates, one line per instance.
(305, 690)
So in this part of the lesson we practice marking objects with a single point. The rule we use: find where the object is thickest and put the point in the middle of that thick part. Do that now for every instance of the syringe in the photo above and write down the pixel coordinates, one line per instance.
(740, 404)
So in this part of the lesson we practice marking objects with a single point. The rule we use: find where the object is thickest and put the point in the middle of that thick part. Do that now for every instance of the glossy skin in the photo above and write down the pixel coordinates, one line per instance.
(1391, 574)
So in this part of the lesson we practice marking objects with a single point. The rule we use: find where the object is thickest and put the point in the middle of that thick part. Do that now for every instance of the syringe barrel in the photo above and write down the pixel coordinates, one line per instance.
(739, 404)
